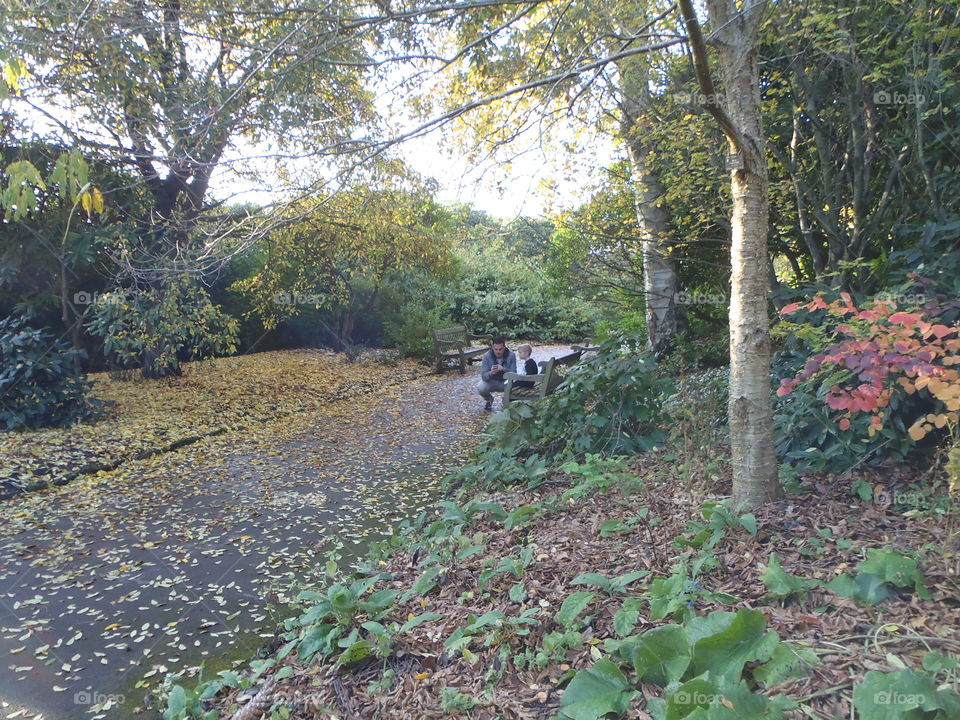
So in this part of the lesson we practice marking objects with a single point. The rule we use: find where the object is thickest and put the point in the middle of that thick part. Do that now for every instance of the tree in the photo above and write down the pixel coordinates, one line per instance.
(739, 115)
(170, 89)
(608, 34)
(339, 257)
(859, 105)
(661, 287)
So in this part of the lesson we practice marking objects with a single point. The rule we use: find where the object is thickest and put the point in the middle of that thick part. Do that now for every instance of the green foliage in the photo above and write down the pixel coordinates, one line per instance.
(789, 661)
(336, 262)
(499, 293)
(454, 702)
(904, 695)
(571, 607)
(159, 327)
(717, 519)
(184, 703)
(39, 382)
(598, 473)
(612, 586)
(701, 664)
(328, 626)
(895, 58)
(609, 404)
(597, 691)
(678, 594)
(409, 330)
(492, 627)
(782, 584)
(876, 575)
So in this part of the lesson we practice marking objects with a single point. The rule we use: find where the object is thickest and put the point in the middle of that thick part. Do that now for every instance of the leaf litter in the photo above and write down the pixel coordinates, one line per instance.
(183, 557)
(819, 534)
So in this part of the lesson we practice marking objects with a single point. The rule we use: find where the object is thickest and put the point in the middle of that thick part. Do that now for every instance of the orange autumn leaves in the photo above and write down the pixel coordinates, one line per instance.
(886, 350)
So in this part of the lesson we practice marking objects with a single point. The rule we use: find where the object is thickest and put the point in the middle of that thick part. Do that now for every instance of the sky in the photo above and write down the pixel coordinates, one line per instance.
(531, 176)
(536, 180)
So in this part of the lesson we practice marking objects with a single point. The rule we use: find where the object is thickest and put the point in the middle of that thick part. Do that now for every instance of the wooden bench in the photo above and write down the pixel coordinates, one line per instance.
(453, 347)
(540, 385)
(546, 382)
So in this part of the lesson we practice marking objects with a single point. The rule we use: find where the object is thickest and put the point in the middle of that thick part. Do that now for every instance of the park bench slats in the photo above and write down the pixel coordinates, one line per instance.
(543, 384)
(456, 347)
(547, 381)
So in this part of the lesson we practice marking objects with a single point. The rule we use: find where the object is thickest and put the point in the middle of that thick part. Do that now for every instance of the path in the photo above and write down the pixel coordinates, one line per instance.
(182, 558)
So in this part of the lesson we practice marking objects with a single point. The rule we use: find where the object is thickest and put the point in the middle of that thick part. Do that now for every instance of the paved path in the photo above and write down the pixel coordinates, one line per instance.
(111, 581)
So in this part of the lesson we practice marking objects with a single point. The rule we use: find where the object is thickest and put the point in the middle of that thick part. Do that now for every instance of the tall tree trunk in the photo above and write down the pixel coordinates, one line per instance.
(750, 403)
(660, 285)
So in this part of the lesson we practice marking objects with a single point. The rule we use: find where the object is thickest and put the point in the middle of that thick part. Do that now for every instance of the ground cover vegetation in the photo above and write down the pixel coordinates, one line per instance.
(707, 520)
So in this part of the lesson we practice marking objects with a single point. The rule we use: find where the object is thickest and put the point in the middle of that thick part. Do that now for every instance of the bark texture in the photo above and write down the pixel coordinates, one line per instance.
(663, 316)
(750, 404)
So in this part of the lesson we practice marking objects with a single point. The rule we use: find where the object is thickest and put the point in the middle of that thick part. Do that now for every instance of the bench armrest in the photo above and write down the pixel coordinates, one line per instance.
(489, 338)
(516, 376)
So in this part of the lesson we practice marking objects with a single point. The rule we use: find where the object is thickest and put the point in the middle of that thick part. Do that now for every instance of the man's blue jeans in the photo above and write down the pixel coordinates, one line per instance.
(486, 388)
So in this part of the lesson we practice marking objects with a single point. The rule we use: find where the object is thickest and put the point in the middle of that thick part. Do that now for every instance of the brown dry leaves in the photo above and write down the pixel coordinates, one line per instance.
(228, 394)
(850, 639)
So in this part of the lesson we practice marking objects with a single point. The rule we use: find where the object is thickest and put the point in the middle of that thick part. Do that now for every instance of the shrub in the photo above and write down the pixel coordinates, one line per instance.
(158, 328)
(39, 382)
(409, 330)
(499, 295)
(610, 403)
(873, 377)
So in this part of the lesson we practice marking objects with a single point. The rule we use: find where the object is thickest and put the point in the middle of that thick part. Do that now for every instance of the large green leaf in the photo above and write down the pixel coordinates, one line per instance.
(572, 606)
(358, 651)
(596, 692)
(319, 638)
(788, 662)
(725, 653)
(782, 584)
(904, 695)
(661, 655)
(895, 569)
(705, 699)
(625, 619)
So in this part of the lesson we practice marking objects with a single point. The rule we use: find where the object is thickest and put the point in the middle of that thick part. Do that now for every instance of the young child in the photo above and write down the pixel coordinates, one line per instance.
(526, 365)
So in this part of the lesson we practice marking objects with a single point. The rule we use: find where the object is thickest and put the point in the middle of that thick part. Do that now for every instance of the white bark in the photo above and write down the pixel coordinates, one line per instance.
(750, 403)
(660, 283)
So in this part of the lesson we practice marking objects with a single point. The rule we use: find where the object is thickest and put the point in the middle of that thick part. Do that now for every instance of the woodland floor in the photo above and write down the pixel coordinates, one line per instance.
(181, 556)
(817, 534)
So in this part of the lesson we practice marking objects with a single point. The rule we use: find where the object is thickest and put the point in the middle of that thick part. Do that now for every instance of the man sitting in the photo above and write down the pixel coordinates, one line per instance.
(496, 362)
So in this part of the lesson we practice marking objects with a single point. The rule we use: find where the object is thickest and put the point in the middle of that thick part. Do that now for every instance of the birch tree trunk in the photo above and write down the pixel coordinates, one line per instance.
(660, 285)
(738, 113)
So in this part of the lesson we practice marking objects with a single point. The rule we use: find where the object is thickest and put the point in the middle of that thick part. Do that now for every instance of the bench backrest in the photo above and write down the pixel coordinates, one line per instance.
(456, 335)
(551, 378)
